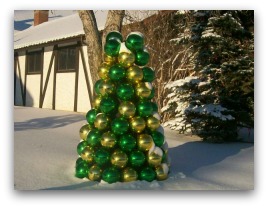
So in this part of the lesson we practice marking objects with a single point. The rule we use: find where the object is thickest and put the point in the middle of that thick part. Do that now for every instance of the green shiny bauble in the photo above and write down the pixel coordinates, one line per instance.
(102, 121)
(94, 173)
(137, 158)
(84, 131)
(134, 74)
(147, 174)
(129, 174)
(107, 105)
(108, 139)
(155, 107)
(91, 116)
(93, 137)
(127, 109)
(96, 102)
(145, 142)
(80, 161)
(142, 57)
(103, 71)
(81, 171)
(102, 157)
(127, 142)
(106, 87)
(111, 175)
(88, 154)
(148, 74)
(125, 91)
(145, 108)
(117, 72)
(158, 138)
(135, 41)
(81, 146)
(137, 124)
(119, 159)
(114, 34)
(97, 86)
(112, 47)
(119, 126)
(126, 59)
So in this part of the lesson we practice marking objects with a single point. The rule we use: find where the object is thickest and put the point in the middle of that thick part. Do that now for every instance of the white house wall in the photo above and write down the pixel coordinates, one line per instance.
(21, 62)
(33, 90)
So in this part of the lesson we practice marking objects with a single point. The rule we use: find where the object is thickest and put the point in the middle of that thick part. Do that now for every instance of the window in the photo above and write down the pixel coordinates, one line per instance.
(34, 62)
(66, 59)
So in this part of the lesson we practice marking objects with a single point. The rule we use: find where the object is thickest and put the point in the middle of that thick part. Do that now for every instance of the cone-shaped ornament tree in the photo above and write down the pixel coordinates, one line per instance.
(123, 140)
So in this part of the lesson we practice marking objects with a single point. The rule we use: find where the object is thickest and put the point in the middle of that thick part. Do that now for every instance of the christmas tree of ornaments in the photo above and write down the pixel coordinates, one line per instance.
(123, 139)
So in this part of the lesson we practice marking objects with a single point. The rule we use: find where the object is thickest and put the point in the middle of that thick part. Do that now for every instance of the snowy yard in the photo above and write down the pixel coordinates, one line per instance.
(45, 153)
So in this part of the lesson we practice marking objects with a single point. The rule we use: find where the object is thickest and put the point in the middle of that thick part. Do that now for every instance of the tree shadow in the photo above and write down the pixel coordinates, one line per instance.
(190, 156)
(47, 122)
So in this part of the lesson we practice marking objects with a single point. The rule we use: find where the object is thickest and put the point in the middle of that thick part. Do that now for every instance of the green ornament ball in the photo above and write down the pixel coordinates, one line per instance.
(81, 170)
(112, 47)
(125, 91)
(81, 146)
(94, 137)
(119, 126)
(145, 108)
(147, 174)
(117, 72)
(142, 57)
(155, 107)
(158, 138)
(79, 161)
(91, 116)
(102, 157)
(97, 86)
(107, 105)
(111, 175)
(137, 158)
(135, 41)
(114, 34)
(148, 74)
(127, 142)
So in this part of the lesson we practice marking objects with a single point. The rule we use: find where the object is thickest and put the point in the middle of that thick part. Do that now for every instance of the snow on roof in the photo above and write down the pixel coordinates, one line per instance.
(62, 28)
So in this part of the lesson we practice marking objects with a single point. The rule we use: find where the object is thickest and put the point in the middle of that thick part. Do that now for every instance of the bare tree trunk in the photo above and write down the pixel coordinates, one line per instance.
(113, 22)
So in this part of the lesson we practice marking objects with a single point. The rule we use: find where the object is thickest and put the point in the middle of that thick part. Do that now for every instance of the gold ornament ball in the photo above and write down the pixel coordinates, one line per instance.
(155, 156)
(145, 142)
(103, 71)
(94, 173)
(127, 109)
(152, 123)
(108, 139)
(126, 59)
(119, 159)
(143, 90)
(110, 60)
(84, 131)
(96, 102)
(134, 74)
(162, 171)
(137, 124)
(129, 174)
(106, 87)
(88, 154)
(101, 122)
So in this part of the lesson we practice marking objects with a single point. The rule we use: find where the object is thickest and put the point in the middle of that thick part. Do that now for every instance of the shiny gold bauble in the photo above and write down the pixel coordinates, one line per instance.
(102, 121)
(134, 74)
(94, 173)
(129, 174)
(110, 60)
(152, 123)
(96, 102)
(145, 142)
(161, 172)
(106, 87)
(84, 131)
(137, 124)
(143, 90)
(88, 154)
(108, 139)
(155, 156)
(126, 59)
(119, 159)
(103, 71)
(127, 109)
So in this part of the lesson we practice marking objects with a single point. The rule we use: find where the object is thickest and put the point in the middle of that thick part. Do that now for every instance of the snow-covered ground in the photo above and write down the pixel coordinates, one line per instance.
(45, 153)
